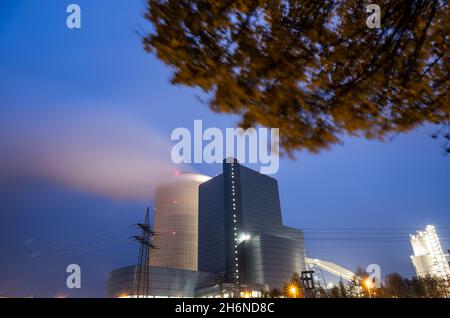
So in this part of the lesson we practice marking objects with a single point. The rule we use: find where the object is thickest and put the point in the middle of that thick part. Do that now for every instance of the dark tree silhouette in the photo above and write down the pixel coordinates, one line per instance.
(396, 286)
(423, 287)
(275, 293)
(310, 67)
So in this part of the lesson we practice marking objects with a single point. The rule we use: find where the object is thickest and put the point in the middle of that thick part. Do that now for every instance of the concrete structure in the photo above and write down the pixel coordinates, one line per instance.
(331, 268)
(428, 258)
(220, 237)
(241, 235)
(176, 222)
(164, 282)
(230, 291)
(173, 262)
(271, 259)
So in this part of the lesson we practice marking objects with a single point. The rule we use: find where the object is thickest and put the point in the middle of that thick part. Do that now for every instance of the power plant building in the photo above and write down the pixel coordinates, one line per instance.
(164, 282)
(219, 237)
(429, 258)
(176, 222)
(241, 234)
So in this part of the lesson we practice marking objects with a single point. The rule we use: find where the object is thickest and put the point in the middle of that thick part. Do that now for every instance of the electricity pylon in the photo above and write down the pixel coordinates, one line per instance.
(142, 273)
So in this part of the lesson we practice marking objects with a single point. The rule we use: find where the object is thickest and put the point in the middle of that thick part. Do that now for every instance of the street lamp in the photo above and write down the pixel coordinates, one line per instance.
(369, 286)
(293, 290)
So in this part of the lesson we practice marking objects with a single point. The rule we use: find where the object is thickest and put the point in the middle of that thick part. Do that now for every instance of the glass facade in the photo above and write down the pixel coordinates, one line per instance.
(270, 260)
(211, 223)
(241, 234)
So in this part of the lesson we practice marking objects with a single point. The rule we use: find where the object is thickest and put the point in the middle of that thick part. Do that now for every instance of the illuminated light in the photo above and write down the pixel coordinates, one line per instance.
(123, 296)
(428, 243)
(174, 233)
(245, 294)
(244, 237)
(293, 290)
(175, 201)
(369, 284)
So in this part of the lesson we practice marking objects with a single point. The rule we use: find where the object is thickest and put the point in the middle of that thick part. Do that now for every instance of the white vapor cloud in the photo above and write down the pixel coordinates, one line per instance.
(100, 152)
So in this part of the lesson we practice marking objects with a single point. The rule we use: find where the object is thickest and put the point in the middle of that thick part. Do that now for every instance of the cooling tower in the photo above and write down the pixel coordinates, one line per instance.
(176, 222)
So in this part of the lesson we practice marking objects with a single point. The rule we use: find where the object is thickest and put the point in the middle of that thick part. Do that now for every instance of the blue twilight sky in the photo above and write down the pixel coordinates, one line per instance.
(85, 123)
